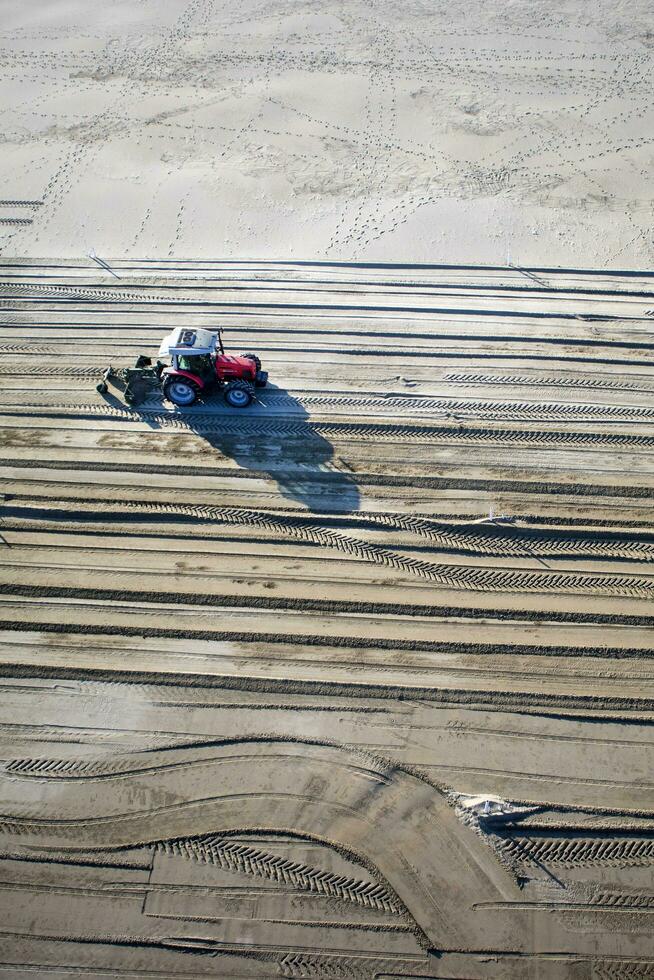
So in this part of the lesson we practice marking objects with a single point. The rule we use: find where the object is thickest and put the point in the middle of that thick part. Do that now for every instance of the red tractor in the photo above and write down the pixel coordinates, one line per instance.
(199, 364)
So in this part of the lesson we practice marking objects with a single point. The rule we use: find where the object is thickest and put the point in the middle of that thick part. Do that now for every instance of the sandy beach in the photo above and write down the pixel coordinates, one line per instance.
(353, 682)
(416, 132)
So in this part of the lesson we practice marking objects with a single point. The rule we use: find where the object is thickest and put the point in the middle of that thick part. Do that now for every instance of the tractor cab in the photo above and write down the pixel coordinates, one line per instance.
(198, 362)
(191, 351)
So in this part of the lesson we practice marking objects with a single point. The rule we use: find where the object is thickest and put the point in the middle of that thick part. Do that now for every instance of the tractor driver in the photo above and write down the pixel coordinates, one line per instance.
(198, 364)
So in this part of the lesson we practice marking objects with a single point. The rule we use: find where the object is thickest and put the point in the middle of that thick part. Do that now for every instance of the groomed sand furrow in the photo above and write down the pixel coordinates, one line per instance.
(599, 384)
(413, 278)
(325, 604)
(348, 295)
(207, 423)
(364, 650)
(329, 479)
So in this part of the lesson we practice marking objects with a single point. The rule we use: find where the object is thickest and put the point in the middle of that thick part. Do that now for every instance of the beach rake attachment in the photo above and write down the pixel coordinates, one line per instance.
(134, 382)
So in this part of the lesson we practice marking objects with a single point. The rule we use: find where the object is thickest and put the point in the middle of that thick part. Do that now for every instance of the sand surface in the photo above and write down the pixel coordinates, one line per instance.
(354, 683)
(401, 131)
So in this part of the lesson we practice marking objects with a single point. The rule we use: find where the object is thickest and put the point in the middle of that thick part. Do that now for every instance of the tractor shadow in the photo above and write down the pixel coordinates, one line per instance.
(273, 439)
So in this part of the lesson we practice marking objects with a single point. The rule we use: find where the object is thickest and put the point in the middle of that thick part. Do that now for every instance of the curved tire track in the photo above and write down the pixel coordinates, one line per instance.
(444, 576)
(232, 856)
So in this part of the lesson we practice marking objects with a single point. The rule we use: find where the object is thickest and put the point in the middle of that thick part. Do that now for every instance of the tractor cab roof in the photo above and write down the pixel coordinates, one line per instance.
(188, 341)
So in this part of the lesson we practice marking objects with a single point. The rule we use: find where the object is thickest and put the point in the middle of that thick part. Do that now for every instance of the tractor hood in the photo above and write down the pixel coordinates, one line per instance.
(188, 341)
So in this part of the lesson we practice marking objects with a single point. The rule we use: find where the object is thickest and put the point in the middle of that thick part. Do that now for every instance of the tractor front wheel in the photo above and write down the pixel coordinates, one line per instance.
(239, 394)
(180, 391)
(253, 357)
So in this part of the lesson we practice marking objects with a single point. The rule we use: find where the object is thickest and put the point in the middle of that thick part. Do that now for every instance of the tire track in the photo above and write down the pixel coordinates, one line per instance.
(242, 858)
(25, 349)
(623, 970)
(623, 901)
(502, 411)
(500, 541)
(585, 852)
(52, 768)
(80, 768)
(20, 204)
(551, 381)
(514, 544)
(300, 966)
(201, 423)
(39, 371)
(35, 290)
(490, 409)
(444, 576)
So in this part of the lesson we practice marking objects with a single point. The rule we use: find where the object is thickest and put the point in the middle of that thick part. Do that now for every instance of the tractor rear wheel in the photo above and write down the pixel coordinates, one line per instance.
(179, 391)
(239, 394)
